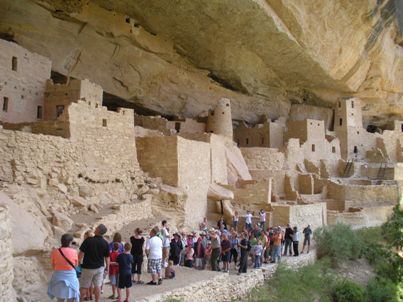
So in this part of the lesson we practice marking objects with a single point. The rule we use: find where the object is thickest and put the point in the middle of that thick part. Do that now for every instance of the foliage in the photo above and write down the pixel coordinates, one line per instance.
(347, 291)
(393, 229)
(382, 290)
(301, 285)
(338, 242)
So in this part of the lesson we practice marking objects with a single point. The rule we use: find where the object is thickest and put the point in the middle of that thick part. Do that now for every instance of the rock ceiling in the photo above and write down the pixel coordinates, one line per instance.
(179, 56)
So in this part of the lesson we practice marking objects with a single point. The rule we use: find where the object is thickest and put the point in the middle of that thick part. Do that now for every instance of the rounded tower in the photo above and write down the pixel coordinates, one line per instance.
(219, 120)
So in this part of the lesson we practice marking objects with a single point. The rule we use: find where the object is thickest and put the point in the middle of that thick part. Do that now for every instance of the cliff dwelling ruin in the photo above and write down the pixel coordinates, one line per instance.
(67, 163)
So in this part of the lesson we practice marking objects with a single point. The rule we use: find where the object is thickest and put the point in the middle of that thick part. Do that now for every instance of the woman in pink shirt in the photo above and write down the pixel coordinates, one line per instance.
(64, 283)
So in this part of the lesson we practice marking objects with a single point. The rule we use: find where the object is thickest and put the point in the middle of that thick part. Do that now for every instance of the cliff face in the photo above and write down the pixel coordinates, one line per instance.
(179, 57)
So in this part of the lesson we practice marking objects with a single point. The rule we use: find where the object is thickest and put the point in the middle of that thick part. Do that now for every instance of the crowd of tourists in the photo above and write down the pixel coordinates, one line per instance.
(80, 276)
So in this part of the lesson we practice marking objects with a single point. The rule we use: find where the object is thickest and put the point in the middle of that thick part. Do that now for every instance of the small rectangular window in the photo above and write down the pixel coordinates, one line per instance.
(59, 110)
(5, 104)
(104, 123)
(401, 127)
(333, 149)
(14, 63)
(341, 122)
(352, 104)
(39, 112)
(247, 141)
(313, 148)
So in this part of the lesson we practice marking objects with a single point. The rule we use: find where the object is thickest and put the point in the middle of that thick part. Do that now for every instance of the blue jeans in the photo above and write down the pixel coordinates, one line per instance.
(258, 261)
(248, 226)
(276, 253)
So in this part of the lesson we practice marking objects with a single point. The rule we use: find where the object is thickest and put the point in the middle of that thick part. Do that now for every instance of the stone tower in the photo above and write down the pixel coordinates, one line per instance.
(220, 119)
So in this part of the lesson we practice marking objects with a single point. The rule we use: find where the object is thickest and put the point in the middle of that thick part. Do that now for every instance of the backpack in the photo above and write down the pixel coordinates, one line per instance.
(249, 247)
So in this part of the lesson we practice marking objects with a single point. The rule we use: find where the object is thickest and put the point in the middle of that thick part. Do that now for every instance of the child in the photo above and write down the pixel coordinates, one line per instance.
(170, 271)
(258, 250)
(114, 268)
(125, 261)
(189, 252)
(207, 254)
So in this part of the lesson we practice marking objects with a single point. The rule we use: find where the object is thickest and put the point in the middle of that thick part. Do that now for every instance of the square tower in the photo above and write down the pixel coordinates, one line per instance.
(60, 96)
(348, 114)
(23, 78)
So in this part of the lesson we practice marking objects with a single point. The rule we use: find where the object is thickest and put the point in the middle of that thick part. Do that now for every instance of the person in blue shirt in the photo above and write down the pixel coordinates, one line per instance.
(125, 261)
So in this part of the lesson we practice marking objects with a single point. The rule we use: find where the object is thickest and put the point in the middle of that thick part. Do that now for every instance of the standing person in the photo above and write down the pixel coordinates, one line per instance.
(258, 251)
(204, 225)
(277, 238)
(262, 219)
(295, 241)
(176, 248)
(199, 252)
(94, 252)
(215, 250)
(154, 254)
(225, 252)
(189, 253)
(90, 291)
(248, 220)
(207, 255)
(165, 243)
(117, 237)
(234, 247)
(64, 283)
(125, 261)
(307, 238)
(137, 251)
(288, 240)
(235, 221)
(245, 248)
(221, 223)
(184, 245)
(114, 268)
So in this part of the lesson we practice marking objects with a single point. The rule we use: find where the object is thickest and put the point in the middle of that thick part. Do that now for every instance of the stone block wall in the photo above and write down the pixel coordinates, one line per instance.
(6, 258)
(194, 177)
(158, 157)
(300, 215)
(263, 158)
(22, 83)
(94, 154)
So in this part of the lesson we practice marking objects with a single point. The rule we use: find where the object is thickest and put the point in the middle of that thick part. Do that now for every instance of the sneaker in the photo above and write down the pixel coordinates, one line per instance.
(112, 297)
(152, 283)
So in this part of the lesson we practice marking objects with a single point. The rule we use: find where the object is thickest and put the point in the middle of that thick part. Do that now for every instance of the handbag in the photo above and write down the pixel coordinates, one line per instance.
(78, 271)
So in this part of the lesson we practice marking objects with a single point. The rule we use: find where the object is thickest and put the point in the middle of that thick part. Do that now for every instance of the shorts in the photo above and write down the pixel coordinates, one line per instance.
(113, 279)
(92, 276)
(307, 240)
(225, 257)
(154, 266)
(125, 281)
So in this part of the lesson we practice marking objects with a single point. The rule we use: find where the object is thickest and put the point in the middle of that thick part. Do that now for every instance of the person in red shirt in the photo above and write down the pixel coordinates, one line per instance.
(114, 268)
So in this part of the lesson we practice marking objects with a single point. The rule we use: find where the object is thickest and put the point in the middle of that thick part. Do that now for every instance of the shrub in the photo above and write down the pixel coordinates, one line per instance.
(338, 242)
(302, 285)
(392, 229)
(347, 291)
(381, 290)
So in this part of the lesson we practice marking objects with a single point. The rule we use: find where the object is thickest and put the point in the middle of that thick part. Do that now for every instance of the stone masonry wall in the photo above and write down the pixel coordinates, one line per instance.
(227, 287)
(6, 258)
(23, 77)
(94, 154)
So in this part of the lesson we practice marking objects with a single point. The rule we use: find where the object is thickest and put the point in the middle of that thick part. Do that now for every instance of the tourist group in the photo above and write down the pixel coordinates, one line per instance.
(80, 276)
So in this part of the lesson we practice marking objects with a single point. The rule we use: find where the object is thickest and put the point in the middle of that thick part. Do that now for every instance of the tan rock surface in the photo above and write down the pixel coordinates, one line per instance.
(260, 54)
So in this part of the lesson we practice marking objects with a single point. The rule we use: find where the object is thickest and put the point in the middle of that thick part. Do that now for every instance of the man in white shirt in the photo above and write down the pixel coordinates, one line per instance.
(262, 216)
(248, 220)
(154, 254)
